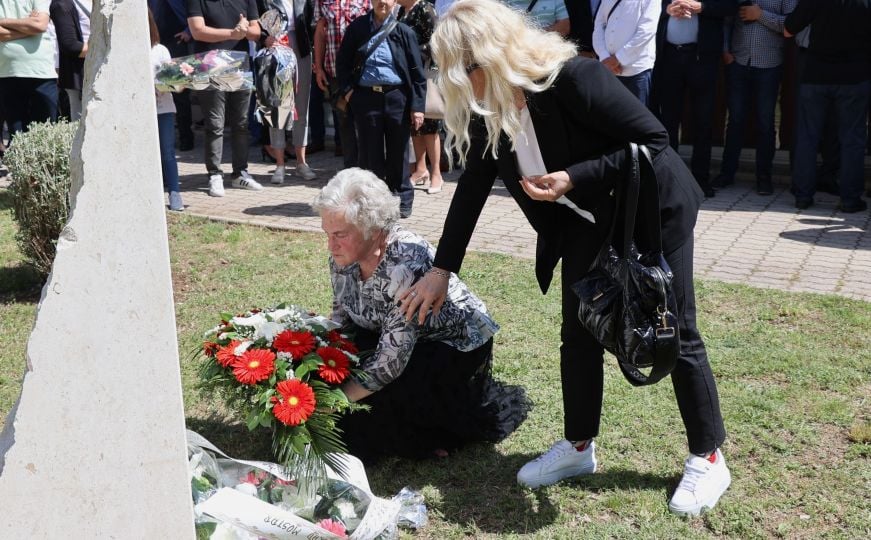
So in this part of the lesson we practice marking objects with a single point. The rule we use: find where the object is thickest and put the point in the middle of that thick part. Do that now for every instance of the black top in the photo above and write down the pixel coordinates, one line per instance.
(840, 41)
(406, 58)
(222, 14)
(70, 44)
(583, 124)
(581, 17)
(710, 38)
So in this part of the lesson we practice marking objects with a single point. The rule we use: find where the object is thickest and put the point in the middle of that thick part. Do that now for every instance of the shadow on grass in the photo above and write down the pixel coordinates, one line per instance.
(20, 284)
(234, 439)
(5, 200)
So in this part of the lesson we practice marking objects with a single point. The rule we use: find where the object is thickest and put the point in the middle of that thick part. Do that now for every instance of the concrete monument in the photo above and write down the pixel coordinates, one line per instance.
(95, 446)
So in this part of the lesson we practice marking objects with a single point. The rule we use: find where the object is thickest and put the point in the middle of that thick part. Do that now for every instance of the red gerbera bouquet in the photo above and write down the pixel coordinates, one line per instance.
(282, 368)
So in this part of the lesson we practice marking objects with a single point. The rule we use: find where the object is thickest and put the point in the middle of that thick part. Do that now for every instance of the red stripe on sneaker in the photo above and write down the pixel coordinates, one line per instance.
(713, 457)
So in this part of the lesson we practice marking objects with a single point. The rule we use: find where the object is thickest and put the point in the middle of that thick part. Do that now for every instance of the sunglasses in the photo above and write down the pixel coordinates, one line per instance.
(471, 67)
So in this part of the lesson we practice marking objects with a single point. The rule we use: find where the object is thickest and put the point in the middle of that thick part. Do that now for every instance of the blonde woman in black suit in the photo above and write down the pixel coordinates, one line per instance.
(521, 105)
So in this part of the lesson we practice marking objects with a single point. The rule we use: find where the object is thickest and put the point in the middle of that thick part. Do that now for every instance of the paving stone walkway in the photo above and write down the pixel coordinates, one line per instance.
(741, 237)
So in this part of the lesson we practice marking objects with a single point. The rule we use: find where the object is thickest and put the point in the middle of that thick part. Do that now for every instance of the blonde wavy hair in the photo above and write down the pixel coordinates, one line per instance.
(513, 53)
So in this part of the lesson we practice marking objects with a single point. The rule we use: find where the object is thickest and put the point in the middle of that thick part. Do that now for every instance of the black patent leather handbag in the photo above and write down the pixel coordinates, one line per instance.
(626, 299)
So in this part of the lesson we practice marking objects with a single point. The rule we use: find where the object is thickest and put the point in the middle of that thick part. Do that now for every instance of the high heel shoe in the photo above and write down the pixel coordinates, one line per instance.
(434, 190)
(420, 180)
(265, 156)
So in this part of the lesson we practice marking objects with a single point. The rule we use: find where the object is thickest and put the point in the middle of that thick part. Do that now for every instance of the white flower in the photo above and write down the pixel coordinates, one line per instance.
(268, 330)
(284, 356)
(241, 348)
(255, 320)
(280, 314)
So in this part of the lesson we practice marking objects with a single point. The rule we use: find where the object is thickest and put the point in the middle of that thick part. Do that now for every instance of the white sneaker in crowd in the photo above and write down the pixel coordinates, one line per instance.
(306, 172)
(702, 485)
(245, 181)
(216, 185)
(278, 175)
(562, 461)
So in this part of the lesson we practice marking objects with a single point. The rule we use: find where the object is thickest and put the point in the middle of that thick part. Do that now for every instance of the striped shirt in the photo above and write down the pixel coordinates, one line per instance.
(760, 43)
(338, 15)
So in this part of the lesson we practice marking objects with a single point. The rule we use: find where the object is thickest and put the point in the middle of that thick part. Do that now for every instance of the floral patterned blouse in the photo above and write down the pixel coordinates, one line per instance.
(422, 19)
(462, 323)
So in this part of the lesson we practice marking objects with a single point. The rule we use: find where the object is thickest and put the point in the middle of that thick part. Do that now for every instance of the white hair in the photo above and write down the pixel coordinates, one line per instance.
(363, 199)
(513, 53)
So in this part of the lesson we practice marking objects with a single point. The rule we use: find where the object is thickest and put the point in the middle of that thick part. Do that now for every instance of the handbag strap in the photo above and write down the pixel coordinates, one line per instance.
(380, 39)
(611, 11)
(531, 5)
(628, 197)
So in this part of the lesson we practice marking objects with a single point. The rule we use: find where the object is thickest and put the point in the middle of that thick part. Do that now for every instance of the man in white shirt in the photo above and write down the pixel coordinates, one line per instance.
(624, 38)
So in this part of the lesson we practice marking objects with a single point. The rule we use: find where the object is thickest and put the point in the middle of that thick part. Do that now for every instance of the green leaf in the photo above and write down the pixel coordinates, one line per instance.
(253, 420)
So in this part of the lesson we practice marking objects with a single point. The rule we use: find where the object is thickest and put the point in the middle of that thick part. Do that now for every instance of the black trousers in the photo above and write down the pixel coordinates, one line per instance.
(383, 130)
(677, 72)
(581, 356)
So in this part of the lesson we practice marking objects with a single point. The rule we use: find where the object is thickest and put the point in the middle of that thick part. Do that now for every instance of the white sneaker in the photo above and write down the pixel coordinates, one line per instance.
(303, 170)
(702, 485)
(562, 461)
(278, 175)
(216, 185)
(245, 181)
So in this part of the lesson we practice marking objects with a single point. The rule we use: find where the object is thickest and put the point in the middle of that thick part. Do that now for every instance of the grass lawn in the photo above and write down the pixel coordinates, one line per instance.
(793, 373)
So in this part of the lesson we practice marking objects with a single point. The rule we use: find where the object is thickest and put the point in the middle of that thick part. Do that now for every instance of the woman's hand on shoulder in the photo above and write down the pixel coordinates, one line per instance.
(428, 293)
(547, 187)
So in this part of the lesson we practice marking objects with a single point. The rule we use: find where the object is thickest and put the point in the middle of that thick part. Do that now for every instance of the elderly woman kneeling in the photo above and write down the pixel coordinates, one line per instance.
(428, 384)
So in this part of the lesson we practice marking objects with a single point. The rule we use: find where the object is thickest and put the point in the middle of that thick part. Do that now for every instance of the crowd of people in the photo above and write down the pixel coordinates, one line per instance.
(668, 53)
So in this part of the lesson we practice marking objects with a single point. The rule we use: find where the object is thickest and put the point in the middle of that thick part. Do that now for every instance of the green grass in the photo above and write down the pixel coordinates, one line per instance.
(793, 373)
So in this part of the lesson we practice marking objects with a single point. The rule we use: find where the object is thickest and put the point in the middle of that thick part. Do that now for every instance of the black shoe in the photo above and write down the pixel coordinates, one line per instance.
(314, 148)
(854, 207)
(722, 181)
(763, 186)
(803, 204)
(404, 212)
(707, 190)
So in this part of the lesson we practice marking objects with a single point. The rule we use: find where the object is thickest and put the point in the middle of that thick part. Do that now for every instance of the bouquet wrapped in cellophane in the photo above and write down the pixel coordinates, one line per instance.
(254, 500)
(276, 69)
(281, 369)
(219, 69)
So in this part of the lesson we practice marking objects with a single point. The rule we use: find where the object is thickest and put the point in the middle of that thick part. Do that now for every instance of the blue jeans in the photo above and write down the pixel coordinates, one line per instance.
(747, 85)
(850, 105)
(166, 137)
(639, 85)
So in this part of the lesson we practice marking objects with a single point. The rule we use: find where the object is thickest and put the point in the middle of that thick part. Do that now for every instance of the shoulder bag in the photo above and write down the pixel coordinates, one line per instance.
(626, 299)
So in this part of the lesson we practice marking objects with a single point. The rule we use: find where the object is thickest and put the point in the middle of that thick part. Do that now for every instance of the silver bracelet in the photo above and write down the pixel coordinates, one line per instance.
(441, 273)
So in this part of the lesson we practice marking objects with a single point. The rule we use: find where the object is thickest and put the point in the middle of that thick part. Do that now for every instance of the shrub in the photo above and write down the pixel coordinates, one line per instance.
(39, 164)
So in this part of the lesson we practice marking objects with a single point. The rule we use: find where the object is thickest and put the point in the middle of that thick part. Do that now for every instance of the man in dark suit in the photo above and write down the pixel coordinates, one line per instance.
(387, 92)
(689, 45)
(582, 13)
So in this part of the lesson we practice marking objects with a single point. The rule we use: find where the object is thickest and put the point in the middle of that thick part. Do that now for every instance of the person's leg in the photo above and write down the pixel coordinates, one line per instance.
(639, 85)
(813, 103)
(434, 154)
(14, 106)
(347, 127)
(43, 100)
(316, 120)
(420, 174)
(739, 88)
(168, 164)
(851, 102)
(368, 109)
(300, 125)
(184, 119)
(212, 106)
(767, 87)
(277, 143)
(75, 100)
(692, 378)
(703, 85)
(669, 79)
(237, 119)
(397, 131)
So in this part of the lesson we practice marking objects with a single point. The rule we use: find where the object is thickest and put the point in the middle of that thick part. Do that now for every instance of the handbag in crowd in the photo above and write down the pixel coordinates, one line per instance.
(435, 105)
(337, 95)
(626, 299)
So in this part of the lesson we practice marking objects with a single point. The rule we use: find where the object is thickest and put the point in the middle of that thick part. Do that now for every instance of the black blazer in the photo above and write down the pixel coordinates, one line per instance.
(583, 124)
(406, 58)
(710, 41)
(70, 44)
